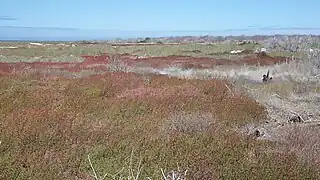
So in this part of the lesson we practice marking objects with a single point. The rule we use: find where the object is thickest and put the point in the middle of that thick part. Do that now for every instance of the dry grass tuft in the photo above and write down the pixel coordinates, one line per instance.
(116, 65)
(189, 123)
(304, 141)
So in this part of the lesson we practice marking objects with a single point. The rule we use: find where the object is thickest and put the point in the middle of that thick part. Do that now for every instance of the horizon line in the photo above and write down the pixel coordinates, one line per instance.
(119, 30)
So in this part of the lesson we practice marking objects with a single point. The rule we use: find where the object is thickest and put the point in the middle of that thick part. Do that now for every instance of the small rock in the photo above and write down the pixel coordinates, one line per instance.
(295, 119)
(36, 44)
(235, 51)
(262, 54)
(263, 50)
(257, 133)
(241, 42)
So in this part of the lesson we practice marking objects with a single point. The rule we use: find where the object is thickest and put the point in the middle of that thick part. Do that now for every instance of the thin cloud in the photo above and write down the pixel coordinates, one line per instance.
(277, 27)
(289, 28)
(7, 18)
(37, 28)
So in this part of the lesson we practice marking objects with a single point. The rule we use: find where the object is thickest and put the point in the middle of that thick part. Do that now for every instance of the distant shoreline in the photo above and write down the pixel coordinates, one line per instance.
(185, 38)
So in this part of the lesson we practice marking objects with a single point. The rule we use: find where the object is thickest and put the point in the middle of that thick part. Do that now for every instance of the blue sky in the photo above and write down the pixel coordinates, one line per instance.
(97, 18)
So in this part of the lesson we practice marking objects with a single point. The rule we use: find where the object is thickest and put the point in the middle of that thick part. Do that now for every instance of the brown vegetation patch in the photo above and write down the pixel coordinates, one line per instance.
(101, 62)
(302, 140)
(49, 127)
(162, 93)
(198, 62)
(143, 44)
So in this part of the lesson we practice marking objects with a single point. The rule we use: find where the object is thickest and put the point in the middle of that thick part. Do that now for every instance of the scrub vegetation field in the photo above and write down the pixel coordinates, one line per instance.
(161, 109)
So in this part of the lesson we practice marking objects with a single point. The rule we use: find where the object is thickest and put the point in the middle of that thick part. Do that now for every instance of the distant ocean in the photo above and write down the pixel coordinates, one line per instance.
(51, 34)
(39, 39)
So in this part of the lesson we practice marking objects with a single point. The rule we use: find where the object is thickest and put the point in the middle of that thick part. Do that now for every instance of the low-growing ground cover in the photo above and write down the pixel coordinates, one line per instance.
(50, 125)
(79, 120)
